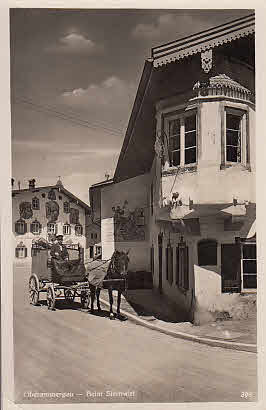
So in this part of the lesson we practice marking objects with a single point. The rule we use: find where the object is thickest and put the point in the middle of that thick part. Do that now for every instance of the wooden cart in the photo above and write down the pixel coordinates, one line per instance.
(44, 279)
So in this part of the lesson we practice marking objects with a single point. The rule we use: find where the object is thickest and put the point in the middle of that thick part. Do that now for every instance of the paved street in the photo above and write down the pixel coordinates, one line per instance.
(71, 351)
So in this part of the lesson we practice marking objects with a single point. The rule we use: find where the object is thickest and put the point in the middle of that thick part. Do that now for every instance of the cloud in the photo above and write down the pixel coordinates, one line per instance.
(167, 27)
(74, 43)
(109, 101)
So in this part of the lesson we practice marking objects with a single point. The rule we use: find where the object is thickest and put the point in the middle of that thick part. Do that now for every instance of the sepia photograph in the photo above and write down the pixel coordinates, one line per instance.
(133, 185)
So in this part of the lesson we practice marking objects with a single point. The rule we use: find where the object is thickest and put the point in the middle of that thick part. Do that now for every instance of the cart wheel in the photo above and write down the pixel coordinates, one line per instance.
(50, 297)
(34, 290)
(69, 295)
(84, 300)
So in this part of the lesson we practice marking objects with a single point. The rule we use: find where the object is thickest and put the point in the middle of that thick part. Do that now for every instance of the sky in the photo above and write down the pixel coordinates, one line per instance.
(74, 77)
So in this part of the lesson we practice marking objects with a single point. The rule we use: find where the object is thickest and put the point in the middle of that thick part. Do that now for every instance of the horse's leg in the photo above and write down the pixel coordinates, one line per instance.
(118, 301)
(92, 289)
(98, 291)
(111, 300)
(119, 316)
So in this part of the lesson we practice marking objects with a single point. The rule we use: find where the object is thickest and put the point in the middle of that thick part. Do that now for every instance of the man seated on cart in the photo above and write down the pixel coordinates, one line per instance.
(58, 250)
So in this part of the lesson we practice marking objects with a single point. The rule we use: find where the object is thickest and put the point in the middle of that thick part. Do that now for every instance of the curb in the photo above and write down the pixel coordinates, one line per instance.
(245, 347)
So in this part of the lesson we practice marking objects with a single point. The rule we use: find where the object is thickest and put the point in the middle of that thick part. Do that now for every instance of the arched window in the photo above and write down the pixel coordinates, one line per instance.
(207, 252)
(51, 195)
(78, 230)
(35, 227)
(20, 227)
(21, 250)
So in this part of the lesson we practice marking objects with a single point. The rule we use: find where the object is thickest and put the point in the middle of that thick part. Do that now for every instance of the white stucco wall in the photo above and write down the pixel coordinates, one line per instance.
(135, 191)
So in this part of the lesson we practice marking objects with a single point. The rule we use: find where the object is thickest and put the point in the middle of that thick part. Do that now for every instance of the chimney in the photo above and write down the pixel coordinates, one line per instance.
(32, 184)
(12, 182)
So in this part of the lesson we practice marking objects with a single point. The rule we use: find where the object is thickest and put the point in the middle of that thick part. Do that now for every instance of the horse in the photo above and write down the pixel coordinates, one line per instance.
(117, 269)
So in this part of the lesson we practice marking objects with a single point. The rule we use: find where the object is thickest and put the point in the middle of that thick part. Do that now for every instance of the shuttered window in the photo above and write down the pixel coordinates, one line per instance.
(51, 228)
(182, 266)
(35, 227)
(20, 227)
(169, 264)
(66, 229)
(207, 252)
(21, 251)
(35, 203)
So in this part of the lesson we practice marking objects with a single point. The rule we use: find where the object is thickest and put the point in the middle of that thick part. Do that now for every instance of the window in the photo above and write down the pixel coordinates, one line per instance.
(21, 251)
(35, 203)
(235, 143)
(66, 229)
(66, 207)
(249, 266)
(207, 252)
(51, 195)
(78, 230)
(74, 216)
(51, 228)
(43, 195)
(20, 227)
(91, 235)
(95, 236)
(35, 227)
(169, 264)
(181, 131)
(182, 266)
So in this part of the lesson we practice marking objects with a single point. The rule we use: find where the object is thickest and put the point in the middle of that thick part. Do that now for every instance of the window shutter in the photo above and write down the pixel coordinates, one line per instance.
(55, 229)
(25, 252)
(31, 228)
(25, 227)
(167, 262)
(16, 227)
(16, 252)
(170, 264)
(40, 228)
(177, 278)
(186, 269)
(81, 230)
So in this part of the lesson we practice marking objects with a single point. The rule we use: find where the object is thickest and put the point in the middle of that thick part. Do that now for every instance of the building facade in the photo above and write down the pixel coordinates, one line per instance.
(41, 212)
(183, 195)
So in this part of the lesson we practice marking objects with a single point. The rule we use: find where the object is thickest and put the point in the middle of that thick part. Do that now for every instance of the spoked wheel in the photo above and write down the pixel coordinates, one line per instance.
(50, 297)
(34, 290)
(85, 300)
(69, 295)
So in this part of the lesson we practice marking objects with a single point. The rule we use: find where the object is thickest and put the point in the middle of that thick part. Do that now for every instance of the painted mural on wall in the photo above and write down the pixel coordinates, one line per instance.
(52, 211)
(129, 225)
(25, 210)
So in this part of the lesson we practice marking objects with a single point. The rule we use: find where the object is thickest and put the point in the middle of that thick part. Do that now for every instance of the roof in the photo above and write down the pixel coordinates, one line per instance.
(106, 182)
(60, 188)
(203, 40)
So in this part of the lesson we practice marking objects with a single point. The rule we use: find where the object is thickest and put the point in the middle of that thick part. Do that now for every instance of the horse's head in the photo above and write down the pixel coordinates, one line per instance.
(121, 261)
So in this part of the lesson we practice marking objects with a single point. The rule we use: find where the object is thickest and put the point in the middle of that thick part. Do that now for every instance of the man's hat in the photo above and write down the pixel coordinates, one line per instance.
(59, 237)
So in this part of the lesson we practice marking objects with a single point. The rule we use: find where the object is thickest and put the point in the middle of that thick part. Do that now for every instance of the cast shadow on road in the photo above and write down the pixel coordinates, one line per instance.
(63, 305)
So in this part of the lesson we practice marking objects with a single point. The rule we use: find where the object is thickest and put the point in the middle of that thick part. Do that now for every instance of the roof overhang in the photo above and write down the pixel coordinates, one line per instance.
(205, 40)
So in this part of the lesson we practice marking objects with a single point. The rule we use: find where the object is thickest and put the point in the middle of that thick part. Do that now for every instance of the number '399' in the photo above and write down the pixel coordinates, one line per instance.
(246, 394)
